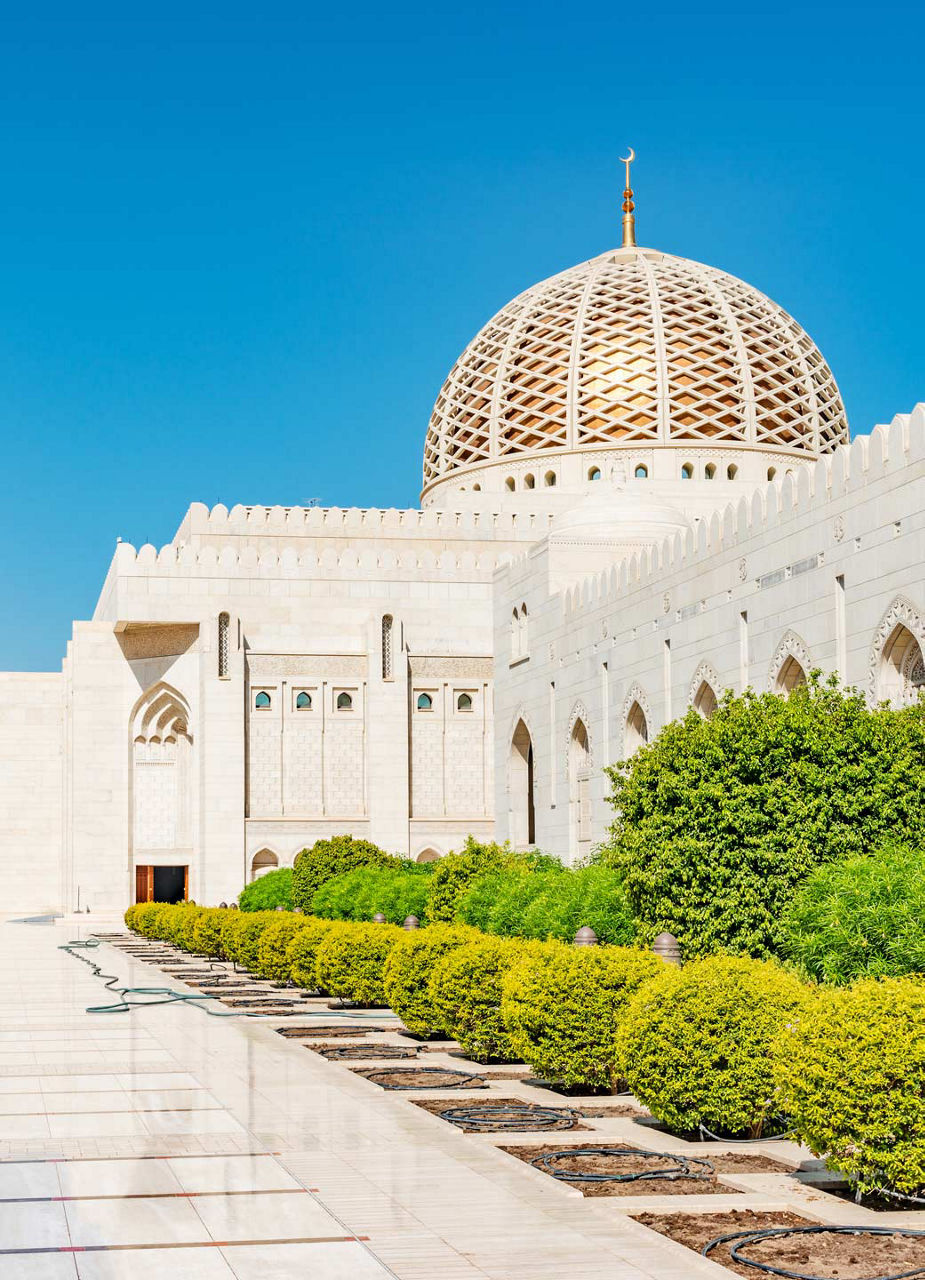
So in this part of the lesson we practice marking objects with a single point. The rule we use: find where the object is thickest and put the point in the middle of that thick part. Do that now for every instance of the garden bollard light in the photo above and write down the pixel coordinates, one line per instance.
(280, 908)
(668, 947)
(223, 905)
(378, 918)
(585, 937)
(232, 906)
(297, 911)
(411, 922)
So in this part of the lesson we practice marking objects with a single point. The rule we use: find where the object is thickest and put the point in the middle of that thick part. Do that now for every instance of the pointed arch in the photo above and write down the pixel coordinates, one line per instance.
(162, 776)
(896, 667)
(521, 787)
(636, 719)
(790, 664)
(579, 788)
(264, 860)
(703, 691)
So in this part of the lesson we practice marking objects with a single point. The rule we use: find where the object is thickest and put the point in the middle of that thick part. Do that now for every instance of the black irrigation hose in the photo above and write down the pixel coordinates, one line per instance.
(167, 994)
(491, 1116)
(439, 1071)
(771, 1137)
(745, 1238)
(679, 1166)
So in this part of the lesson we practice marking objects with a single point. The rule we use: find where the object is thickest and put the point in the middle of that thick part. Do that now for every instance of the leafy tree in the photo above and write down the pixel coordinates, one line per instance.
(329, 858)
(864, 917)
(268, 891)
(718, 821)
(361, 893)
(455, 874)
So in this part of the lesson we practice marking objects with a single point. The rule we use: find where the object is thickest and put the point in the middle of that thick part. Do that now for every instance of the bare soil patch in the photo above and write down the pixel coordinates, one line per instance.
(628, 1165)
(346, 1052)
(826, 1255)
(420, 1078)
(338, 1032)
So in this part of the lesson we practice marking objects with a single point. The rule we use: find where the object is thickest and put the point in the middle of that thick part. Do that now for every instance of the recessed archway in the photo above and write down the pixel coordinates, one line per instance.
(579, 780)
(521, 810)
(262, 862)
(705, 701)
(636, 731)
(428, 855)
(902, 670)
(790, 676)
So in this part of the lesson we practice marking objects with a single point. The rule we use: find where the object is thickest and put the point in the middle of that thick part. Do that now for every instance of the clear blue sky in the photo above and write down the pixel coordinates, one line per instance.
(239, 253)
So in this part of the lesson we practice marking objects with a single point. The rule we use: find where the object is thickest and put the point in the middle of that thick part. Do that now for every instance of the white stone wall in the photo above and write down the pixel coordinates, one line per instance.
(31, 764)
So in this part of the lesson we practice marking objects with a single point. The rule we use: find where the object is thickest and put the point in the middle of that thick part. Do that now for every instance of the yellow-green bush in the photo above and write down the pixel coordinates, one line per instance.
(229, 932)
(131, 917)
(184, 926)
(273, 948)
(251, 926)
(207, 931)
(351, 961)
(465, 991)
(850, 1071)
(166, 920)
(302, 951)
(408, 971)
(146, 914)
(696, 1044)
(563, 1006)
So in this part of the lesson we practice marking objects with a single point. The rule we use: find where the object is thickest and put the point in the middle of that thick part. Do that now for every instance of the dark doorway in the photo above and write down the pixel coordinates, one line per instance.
(161, 884)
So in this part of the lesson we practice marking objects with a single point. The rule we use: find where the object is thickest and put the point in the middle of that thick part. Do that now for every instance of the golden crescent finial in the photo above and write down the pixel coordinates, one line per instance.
(629, 214)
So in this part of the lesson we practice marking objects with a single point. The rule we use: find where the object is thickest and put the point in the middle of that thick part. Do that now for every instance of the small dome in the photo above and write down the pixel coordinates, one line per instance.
(611, 516)
(633, 348)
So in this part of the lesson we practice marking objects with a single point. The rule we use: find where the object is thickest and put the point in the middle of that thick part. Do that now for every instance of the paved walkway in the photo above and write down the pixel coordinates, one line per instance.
(166, 1142)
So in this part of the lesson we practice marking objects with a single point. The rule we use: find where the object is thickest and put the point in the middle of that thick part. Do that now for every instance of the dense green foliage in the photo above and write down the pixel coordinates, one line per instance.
(273, 947)
(268, 891)
(350, 961)
(864, 917)
(329, 858)
(248, 931)
(465, 992)
(302, 952)
(207, 932)
(408, 971)
(550, 903)
(563, 1007)
(718, 821)
(455, 874)
(696, 1044)
(851, 1075)
(359, 894)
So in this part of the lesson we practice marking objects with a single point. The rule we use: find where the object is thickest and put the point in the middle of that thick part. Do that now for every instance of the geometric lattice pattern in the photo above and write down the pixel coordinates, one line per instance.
(634, 346)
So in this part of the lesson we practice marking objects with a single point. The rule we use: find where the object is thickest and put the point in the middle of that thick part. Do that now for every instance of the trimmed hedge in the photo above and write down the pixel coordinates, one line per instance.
(350, 961)
(720, 820)
(864, 917)
(329, 858)
(408, 970)
(242, 938)
(207, 932)
(361, 893)
(563, 1007)
(851, 1074)
(273, 946)
(465, 992)
(696, 1044)
(274, 889)
(302, 952)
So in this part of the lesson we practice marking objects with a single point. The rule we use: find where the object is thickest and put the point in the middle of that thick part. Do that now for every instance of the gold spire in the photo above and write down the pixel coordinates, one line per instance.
(629, 215)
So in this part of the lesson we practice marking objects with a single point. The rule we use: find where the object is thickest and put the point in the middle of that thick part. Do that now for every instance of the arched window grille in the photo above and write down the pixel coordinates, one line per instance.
(223, 625)
(464, 702)
(642, 472)
(262, 701)
(425, 702)
(594, 473)
(387, 647)
(303, 702)
(344, 702)
(687, 472)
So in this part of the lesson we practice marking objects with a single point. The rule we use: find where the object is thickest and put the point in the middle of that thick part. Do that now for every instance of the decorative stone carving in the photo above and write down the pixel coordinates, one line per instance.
(902, 612)
(705, 672)
(579, 712)
(454, 668)
(790, 646)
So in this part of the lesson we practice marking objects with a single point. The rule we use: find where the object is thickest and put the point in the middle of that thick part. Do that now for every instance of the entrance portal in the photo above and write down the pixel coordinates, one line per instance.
(161, 884)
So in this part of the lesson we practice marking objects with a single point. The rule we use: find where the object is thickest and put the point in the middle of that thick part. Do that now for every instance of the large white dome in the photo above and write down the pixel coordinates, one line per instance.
(633, 349)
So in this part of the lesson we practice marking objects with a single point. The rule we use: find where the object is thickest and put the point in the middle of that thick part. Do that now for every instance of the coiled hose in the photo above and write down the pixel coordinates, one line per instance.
(745, 1238)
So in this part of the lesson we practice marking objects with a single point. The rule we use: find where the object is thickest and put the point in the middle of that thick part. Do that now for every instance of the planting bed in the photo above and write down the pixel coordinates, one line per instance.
(420, 1078)
(628, 1165)
(503, 1115)
(824, 1255)
(342, 1052)
(321, 1031)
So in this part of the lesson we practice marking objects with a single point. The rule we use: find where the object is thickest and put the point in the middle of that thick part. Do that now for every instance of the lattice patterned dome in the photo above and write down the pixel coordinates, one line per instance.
(634, 348)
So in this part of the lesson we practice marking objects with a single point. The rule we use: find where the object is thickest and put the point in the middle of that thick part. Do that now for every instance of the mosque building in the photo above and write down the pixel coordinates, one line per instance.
(638, 492)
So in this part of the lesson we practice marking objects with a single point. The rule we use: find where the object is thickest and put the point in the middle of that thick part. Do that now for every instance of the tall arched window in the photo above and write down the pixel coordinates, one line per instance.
(705, 700)
(521, 818)
(579, 778)
(387, 646)
(901, 676)
(709, 471)
(509, 484)
(223, 624)
(790, 676)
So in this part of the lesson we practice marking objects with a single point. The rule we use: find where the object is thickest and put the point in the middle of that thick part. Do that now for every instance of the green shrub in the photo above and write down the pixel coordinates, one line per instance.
(499, 901)
(851, 1076)
(146, 918)
(563, 1006)
(351, 961)
(408, 971)
(864, 917)
(328, 858)
(184, 929)
(361, 893)
(302, 952)
(454, 875)
(166, 919)
(696, 1044)
(229, 932)
(241, 935)
(273, 947)
(131, 916)
(274, 889)
(207, 931)
(465, 991)
(718, 821)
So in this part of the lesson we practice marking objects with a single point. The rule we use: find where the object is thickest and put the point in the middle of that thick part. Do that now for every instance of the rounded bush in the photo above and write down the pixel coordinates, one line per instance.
(465, 992)
(361, 893)
(267, 892)
(166, 919)
(351, 961)
(302, 952)
(241, 936)
(273, 947)
(328, 858)
(185, 925)
(850, 1070)
(408, 971)
(696, 1044)
(207, 931)
(864, 917)
(146, 914)
(563, 1007)
(720, 820)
